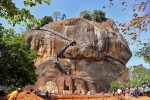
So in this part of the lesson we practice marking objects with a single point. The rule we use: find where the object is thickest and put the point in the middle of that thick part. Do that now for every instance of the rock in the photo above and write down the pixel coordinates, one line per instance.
(26, 95)
(50, 87)
(97, 58)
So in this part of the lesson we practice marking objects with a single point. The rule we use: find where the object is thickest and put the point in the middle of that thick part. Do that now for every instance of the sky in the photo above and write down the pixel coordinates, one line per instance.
(72, 8)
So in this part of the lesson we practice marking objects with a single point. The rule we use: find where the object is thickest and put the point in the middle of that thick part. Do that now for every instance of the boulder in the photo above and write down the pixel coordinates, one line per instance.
(97, 58)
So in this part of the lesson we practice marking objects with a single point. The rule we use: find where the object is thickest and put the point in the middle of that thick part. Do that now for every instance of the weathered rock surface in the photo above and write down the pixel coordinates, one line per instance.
(97, 58)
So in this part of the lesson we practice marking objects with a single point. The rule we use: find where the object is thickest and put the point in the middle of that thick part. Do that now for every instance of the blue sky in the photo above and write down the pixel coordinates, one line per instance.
(72, 8)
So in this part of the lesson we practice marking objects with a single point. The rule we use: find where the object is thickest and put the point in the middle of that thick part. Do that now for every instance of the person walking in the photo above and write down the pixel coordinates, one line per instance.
(119, 92)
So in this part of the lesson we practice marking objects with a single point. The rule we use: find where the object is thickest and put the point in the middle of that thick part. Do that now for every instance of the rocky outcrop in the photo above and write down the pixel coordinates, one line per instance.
(97, 58)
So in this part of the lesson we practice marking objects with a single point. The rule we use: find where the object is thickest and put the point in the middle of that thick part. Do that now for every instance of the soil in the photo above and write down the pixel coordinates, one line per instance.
(26, 95)
(140, 98)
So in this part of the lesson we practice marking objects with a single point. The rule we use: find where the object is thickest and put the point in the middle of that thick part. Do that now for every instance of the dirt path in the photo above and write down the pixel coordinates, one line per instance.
(140, 98)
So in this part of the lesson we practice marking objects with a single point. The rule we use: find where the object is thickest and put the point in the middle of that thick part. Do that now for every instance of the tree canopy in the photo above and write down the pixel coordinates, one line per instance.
(140, 76)
(114, 85)
(98, 15)
(122, 82)
(46, 20)
(140, 21)
(63, 16)
(16, 60)
(14, 15)
(86, 14)
(144, 52)
(56, 15)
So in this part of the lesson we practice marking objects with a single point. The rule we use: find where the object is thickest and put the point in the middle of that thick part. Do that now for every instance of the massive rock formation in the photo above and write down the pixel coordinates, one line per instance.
(93, 62)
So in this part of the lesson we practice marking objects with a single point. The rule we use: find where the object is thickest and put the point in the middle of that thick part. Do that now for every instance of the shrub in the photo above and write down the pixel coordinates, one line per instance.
(46, 20)
(85, 14)
(98, 15)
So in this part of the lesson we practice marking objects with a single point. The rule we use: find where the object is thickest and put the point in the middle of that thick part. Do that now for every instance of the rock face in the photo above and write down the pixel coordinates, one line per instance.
(97, 58)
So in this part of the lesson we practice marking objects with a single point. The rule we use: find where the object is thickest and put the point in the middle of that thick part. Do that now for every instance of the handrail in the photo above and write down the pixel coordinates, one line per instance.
(60, 53)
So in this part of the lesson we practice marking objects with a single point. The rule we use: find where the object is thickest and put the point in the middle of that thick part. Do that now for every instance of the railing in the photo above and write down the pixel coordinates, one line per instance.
(60, 53)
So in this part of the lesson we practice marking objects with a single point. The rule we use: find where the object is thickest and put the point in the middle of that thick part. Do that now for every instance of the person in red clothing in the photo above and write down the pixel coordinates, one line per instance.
(136, 93)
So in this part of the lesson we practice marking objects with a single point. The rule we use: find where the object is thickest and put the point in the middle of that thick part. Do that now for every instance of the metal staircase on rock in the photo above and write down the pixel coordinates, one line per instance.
(60, 53)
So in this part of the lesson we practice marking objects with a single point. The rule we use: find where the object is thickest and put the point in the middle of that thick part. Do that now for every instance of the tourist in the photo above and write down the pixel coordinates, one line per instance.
(131, 92)
(35, 92)
(102, 93)
(119, 92)
(113, 93)
(32, 90)
(47, 94)
(127, 91)
(123, 92)
(136, 93)
(53, 92)
(89, 92)
(13, 95)
(39, 92)
(82, 92)
(92, 92)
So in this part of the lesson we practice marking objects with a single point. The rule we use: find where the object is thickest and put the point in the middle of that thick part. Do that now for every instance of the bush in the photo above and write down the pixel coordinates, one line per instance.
(7, 89)
(46, 20)
(114, 85)
(98, 15)
(85, 14)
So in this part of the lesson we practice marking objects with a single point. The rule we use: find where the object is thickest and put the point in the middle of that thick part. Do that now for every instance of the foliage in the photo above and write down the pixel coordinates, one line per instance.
(114, 85)
(14, 15)
(16, 60)
(122, 82)
(8, 89)
(140, 76)
(63, 16)
(140, 21)
(144, 52)
(33, 3)
(56, 15)
(98, 15)
(86, 14)
(46, 20)
(124, 78)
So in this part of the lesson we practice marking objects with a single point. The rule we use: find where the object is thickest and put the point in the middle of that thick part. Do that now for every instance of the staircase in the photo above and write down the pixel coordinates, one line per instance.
(60, 53)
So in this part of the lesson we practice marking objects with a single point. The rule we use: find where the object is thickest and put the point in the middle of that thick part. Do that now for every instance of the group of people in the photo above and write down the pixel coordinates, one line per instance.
(38, 92)
(13, 95)
(92, 92)
(129, 92)
(134, 93)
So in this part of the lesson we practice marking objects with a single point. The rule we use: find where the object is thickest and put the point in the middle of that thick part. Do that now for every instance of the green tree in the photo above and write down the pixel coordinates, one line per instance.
(144, 52)
(46, 20)
(14, 15)
(56, 15)
(98, 15)
(16, 60)
(114, 85)
(86, 14)
(140, 76)
(122, 82)
(63, 16)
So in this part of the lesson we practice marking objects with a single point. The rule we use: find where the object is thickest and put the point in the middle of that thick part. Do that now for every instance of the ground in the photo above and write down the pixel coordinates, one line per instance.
(140, 98)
